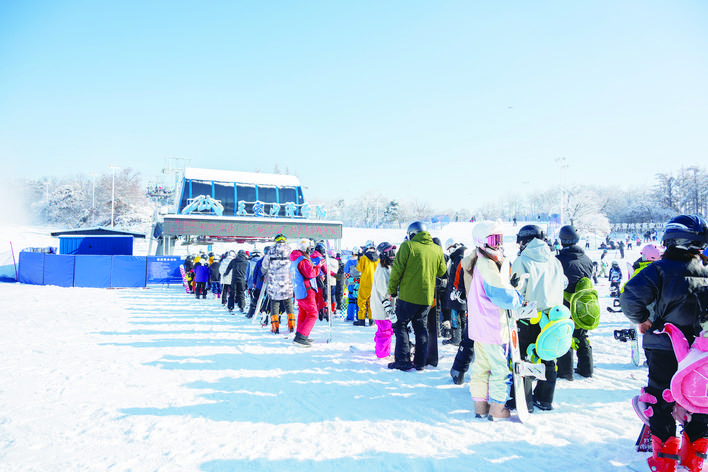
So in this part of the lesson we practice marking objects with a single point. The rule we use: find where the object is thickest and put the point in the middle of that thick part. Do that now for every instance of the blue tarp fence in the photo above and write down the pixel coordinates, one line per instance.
(98, 271)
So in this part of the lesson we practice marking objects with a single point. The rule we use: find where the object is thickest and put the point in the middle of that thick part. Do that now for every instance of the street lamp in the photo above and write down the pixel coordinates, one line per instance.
(113, 192)
(93, 197)
(563, 165)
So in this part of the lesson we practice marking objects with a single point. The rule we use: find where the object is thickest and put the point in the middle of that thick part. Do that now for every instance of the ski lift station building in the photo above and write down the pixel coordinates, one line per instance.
(230, 206)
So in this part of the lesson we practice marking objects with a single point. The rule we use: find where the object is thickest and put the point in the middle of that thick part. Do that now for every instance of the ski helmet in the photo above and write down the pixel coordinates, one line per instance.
(615, 264)
(651, 252)
(451, 245)
(415, 228)
(528, 233)
(387, 252)
(488, 233)
(266, 250)
(687, 232)
(304, 245)
(369, 244)
(280, 238)
(321, 248)
(568, 235)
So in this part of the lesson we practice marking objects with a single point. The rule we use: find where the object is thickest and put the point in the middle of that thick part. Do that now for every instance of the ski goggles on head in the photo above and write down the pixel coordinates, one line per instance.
(494, 240)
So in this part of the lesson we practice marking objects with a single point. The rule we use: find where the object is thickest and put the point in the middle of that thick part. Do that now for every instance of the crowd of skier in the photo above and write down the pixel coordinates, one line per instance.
(433, 290)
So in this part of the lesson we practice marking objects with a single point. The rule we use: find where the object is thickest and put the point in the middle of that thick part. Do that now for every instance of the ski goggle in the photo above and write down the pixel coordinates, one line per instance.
(494, 240)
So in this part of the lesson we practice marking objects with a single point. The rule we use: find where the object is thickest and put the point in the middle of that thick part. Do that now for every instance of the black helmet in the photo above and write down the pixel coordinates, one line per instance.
(568, 235)
(320, 247)
(687, 232)
(387, 252)
(527, 233)
(414, 228)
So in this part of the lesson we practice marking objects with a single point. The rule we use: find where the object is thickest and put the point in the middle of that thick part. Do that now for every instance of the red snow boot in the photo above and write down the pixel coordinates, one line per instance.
(665, 454)
(693, 453)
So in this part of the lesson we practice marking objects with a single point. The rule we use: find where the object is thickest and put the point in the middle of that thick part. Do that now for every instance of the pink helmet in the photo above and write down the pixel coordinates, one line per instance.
(652, 252)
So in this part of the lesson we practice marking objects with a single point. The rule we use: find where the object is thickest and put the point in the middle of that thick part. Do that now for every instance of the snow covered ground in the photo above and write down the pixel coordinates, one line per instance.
(155, 380)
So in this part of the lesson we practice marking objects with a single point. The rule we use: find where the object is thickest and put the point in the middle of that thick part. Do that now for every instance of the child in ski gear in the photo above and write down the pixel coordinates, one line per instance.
(366, 265)
(457, 299)
(382, 305)
(544, 285)
(489, 294)
(615, 278)
(352, 276)
(677, 287)
(279, 286)
(303, 274)
(576, 265)
(412, 281)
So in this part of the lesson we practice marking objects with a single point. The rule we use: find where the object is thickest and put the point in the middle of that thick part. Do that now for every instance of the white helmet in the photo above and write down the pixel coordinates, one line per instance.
(484, 229)
(450, 245)
(304, 244)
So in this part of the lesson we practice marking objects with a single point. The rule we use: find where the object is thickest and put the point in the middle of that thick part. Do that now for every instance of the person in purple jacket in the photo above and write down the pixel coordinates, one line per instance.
(201, 279)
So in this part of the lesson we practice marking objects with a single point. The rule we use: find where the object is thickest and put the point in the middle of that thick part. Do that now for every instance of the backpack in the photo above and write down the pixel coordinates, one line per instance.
(556, 335)
(584, 305)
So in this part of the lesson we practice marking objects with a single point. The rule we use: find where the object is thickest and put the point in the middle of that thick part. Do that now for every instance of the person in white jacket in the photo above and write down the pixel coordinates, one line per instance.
(382, 311)
(226, 278)
(544, 285)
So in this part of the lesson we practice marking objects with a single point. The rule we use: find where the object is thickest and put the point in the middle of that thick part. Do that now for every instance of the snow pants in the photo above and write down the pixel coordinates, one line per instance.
(490, 376)
(382, 338)
(465, 351)
(364, 307)
(565, 362)
(306, 313)
(545, 389)
(417, 316)
(200, 289)
(353, 309)
(662, 366)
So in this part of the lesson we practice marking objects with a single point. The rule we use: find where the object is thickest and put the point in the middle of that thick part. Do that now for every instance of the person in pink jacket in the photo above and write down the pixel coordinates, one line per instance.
(303, 274)
(489, 294)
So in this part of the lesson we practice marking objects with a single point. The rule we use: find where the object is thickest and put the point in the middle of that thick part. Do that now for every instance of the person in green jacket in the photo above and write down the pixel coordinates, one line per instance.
(412, 281)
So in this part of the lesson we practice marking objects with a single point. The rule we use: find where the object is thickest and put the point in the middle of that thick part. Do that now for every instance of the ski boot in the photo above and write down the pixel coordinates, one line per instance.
(291, 322)
(665, 454)
(693, 453)
(275, 324)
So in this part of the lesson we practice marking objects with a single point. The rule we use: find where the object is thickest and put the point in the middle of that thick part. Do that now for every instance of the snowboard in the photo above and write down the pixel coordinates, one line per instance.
(261, 312)
(184, 278)
(521, 369)
(631, 336)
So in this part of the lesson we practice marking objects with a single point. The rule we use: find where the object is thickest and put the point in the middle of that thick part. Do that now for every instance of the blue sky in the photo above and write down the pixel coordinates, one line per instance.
(451, 102)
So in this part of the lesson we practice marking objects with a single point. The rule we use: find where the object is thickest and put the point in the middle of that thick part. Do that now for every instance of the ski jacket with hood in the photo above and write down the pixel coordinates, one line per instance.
(276, 265)
(489, 295)
(366, 265)
(576, 265)
(546, 280)
(226, 278)
(677, 285)
(237, 268)
(303, 274)
(415, 267)
(453, 278)
(379, 292)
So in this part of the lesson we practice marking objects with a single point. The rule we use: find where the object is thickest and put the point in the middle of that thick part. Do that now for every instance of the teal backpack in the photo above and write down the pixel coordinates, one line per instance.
(556, 335)
(584, 305)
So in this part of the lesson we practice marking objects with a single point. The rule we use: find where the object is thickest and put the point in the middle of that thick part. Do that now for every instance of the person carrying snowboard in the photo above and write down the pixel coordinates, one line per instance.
(677, 286)
(544, 285)
(489, 295)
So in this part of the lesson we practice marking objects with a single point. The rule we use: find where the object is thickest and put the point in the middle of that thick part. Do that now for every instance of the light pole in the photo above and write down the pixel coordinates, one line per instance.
(563, 165)
(113, 192)
(93, 197)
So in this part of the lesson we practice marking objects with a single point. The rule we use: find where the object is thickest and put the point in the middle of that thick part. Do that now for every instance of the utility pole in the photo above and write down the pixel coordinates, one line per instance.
(113, 192)
(563, 165)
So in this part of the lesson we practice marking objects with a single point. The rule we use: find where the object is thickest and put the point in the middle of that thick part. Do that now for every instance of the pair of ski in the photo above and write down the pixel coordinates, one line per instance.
(521, 369)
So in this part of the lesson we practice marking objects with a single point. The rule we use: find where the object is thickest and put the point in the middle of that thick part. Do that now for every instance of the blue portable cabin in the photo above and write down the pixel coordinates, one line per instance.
(96, 241)
(231, 187)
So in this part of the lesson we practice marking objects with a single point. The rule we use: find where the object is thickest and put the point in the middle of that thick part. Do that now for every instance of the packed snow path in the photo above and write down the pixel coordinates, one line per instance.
(155, 380)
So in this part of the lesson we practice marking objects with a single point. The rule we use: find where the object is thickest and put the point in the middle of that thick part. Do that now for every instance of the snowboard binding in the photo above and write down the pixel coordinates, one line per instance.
(625, 335)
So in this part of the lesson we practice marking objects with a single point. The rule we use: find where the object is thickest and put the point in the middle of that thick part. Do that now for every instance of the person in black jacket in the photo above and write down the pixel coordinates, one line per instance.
(456, 299)
(576, 265)
(237, 268)
(672, 290)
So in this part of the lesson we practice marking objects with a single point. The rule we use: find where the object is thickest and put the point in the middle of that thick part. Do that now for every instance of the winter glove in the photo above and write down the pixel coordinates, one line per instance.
(514, 280)
(388, 308)
(446, 324)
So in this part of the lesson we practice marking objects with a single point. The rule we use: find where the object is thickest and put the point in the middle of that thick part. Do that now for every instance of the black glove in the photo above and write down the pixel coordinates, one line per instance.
(514, 281)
